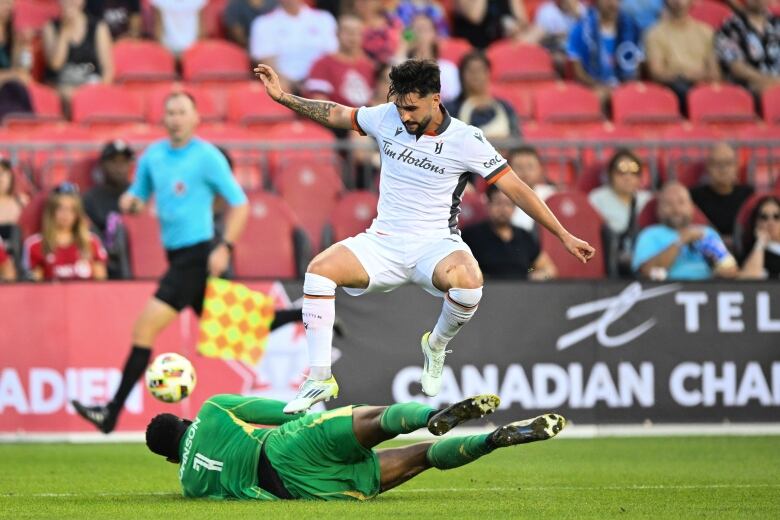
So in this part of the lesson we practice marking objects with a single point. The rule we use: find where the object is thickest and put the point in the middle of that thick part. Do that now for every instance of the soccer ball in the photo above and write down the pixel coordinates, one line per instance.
(170, 378)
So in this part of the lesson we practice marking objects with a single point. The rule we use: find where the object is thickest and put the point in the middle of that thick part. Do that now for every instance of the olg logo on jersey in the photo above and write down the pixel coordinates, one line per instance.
(201, 461)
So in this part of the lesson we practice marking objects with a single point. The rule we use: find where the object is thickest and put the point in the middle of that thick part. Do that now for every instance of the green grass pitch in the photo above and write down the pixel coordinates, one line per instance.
(674, 477)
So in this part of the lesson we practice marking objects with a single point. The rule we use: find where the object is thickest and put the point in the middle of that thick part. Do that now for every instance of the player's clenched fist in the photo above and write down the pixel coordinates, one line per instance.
(579, 248)
(270, 80)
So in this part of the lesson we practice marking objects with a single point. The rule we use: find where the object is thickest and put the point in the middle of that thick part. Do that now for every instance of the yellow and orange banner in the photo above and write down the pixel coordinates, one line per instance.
(235, 322)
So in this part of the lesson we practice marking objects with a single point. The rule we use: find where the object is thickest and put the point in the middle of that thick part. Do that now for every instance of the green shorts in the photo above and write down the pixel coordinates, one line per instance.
(318, 458)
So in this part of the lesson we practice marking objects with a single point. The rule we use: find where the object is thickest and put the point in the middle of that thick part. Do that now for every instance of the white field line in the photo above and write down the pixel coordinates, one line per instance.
(638, 487)
(572, 431)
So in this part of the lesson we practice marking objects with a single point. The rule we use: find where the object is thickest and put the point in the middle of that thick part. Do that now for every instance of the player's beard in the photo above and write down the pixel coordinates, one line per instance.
(421, 126)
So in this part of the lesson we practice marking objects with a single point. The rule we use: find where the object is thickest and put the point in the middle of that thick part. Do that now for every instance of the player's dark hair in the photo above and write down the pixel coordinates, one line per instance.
(421, 77)
(163, 435)
(619, 155)
(524, 149)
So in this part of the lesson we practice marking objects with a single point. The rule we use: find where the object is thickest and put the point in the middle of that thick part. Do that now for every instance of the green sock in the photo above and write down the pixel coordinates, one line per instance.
(457, 451)
(405, 417)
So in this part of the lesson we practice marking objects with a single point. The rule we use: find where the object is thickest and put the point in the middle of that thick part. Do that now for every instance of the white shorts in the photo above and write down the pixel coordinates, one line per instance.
(395, 260)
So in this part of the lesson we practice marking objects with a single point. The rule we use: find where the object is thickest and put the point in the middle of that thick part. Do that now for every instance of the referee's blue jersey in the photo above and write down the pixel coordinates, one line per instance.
(184, 182)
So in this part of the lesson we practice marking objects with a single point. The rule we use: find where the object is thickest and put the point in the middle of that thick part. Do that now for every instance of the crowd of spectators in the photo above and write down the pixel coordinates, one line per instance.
(342, 51)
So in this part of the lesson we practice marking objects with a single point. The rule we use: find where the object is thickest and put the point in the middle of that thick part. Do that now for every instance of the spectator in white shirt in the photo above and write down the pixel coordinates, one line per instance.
(178, 24)
(556, 18)
(291, 38)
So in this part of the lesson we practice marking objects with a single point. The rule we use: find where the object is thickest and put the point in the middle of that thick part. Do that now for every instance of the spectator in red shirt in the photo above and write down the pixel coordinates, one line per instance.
(382, 32)
(346, 76)
(7, 269)
(65, 249)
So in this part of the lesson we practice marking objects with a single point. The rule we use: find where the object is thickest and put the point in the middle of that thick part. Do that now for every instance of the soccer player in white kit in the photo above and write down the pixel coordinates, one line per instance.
(427, 157)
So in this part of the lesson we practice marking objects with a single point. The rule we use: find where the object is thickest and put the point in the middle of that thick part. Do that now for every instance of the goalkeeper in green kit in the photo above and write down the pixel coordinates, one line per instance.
(326, 455)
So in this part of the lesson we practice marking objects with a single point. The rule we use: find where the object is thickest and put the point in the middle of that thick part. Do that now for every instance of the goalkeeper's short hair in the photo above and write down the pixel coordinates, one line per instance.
(163, 435)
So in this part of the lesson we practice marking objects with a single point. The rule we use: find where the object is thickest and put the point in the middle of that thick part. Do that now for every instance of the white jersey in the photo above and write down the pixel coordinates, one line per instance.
(422, 180)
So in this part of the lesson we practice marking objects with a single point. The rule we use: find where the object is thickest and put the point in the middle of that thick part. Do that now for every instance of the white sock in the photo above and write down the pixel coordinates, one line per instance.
(458, 308)
(319, 313)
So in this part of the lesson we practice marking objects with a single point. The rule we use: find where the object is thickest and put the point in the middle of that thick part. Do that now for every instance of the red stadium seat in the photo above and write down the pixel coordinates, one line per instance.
(300, 141)
(101, 104)
(353, 214)
(51, 163)
(559, 156)
(33, 14)
(710, 12)
(311, 189)
(143, 61)
(576, 214)
(649, 215)
(215, 60)
(761, 155)
(145, 252)
(267, 248)
(520, 96)
(511, 61)
(639, 103)
(605, 138)
(567, 103)
(46, 104)
(721, 105)
(155, 103)
(248, 103)
(685, 146)
(212, 19)
(770, 105)
(472, 209)
(32, 215)
(453, 49)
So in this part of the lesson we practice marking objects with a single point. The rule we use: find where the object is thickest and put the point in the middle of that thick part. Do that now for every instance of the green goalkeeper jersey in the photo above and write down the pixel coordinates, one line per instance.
(220, 450)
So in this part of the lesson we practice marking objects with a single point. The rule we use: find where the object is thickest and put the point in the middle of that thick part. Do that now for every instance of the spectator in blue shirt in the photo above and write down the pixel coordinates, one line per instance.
(605, 47)
(676, 249)
(184, 173)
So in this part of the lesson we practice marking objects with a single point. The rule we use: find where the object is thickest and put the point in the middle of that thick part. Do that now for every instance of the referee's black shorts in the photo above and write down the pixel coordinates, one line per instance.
(184, 283)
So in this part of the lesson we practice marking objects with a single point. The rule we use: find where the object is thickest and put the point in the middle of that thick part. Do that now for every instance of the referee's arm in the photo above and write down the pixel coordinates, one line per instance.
(325, 113)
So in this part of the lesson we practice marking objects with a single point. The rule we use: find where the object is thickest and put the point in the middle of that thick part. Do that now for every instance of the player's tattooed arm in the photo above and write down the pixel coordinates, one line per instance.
(324, 112)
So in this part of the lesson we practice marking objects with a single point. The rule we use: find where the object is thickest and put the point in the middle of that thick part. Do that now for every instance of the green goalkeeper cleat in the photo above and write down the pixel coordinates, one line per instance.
(312, 392)
(539, 428)
(472, 408)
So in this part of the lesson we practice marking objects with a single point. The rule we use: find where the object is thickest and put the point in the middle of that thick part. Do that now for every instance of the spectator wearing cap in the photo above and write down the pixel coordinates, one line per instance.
(101, 202)
(11, 201)
(503, 250)
(114, 174)
(7, 268)
(722, 196)
(291, 38)
(239, 15)
(65, 249)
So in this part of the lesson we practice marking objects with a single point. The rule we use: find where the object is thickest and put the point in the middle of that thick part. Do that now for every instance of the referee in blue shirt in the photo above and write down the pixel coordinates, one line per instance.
(184, 173)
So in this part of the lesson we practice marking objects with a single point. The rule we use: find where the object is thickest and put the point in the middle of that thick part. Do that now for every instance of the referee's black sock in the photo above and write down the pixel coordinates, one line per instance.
(285, 316)
(134, 367)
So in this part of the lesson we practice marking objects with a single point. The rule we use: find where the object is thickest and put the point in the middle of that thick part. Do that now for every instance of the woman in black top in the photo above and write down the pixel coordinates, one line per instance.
(763, 261)
(77, 49)
(14, 97)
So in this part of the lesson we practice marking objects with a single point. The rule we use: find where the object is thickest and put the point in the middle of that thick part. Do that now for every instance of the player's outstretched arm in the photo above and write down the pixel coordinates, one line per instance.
(257, 410)
(326, 113)
(527, 200)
